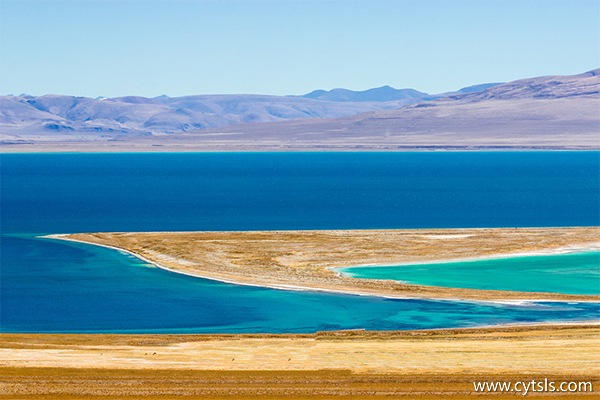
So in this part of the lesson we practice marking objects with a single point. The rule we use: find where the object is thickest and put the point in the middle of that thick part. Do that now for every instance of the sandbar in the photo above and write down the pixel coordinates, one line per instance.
(306, 260)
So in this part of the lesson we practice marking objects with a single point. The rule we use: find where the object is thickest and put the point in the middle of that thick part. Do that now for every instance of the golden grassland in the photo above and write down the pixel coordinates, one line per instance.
(352, 364)
(484, 350)
(305, 259)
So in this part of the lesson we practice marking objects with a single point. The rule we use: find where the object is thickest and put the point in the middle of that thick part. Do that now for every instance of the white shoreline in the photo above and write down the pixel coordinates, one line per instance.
(63, 236)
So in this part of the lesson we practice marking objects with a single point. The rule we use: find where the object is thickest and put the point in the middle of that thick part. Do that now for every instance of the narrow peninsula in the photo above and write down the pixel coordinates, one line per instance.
(306, 260)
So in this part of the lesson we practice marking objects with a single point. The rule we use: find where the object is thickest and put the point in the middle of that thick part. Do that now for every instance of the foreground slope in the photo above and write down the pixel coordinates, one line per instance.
(350, 365)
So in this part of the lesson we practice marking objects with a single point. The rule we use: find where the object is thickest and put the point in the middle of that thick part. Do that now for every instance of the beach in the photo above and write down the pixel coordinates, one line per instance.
(354, 364)
(306, 260)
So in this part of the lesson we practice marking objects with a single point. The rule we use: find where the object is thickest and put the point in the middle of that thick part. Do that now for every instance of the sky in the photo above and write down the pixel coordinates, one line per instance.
(181, 47)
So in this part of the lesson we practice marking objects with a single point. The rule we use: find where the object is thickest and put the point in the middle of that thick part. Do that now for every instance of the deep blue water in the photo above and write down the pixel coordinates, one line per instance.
(49, 286)
(124, 192)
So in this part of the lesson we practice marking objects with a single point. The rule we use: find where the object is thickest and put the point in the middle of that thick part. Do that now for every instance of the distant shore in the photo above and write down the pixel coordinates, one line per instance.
(134, 147)
(306, 260)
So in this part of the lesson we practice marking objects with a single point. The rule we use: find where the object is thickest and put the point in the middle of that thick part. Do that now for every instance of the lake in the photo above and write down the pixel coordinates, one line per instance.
(50, 286)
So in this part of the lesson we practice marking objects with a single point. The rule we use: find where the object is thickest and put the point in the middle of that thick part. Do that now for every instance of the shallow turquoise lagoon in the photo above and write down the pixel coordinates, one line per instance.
(558, 273)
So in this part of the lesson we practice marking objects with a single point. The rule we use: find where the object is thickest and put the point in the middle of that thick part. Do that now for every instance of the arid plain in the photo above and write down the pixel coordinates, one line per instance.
(350, 365)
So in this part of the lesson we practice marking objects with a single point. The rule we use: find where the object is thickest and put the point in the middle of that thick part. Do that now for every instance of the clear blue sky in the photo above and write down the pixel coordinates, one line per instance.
(148, 48)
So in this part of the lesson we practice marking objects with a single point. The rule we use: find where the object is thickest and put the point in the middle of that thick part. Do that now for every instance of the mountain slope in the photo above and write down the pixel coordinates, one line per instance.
(135, 115)
(139, 115)
(544, 112)
(545, 87)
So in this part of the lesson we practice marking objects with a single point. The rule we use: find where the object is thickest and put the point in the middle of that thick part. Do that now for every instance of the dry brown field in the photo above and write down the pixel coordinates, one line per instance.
(345, 365)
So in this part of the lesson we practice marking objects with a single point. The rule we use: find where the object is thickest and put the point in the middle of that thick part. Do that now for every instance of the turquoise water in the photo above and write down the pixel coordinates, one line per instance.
(53, 286)
(561, 273)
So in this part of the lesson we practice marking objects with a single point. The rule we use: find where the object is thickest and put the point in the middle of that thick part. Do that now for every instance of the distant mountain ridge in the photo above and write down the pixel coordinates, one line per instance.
(136, 115)
(388, 93)
(380, 94)
(140, 115)
(549, 112)
(555, 112)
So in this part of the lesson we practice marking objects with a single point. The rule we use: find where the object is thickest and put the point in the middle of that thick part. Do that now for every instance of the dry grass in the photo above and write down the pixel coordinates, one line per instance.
(71, 384)
(358, 364)
(568, 349)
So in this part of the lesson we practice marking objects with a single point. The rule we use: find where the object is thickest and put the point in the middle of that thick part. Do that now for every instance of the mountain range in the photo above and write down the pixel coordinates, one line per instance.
(541, 112)
(380, 94)
(135, 115)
